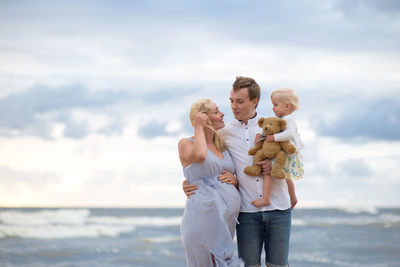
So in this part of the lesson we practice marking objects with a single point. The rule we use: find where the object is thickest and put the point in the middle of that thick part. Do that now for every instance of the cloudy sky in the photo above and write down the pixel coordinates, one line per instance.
(94, 95)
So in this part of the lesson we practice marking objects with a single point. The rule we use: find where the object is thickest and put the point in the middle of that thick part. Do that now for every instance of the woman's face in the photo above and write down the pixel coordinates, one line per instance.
(216, 117)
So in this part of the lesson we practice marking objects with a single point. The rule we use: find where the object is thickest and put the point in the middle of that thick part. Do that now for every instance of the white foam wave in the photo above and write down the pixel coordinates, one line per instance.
(60, 232)
(168, 239)
(45, 217)
(73, 223)
(137, 221)
(359, 209)
(298, 222)
(384, 219)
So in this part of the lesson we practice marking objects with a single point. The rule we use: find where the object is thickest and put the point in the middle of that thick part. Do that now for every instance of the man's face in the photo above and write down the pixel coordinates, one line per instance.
(242, 107)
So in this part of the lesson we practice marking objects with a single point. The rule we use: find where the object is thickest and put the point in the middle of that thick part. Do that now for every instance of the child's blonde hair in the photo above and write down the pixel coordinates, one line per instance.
(204, 106)
(287, 95)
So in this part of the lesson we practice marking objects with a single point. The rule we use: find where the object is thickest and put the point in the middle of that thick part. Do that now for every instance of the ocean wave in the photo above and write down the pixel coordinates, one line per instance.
(44, 217)
(323, 260)
(73, 223)
(155, 221)
(61, 232)
(359, 209)
(384, 219)
(167, 239)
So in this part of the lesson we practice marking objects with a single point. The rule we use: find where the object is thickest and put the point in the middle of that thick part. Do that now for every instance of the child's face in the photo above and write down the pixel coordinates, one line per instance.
(280, 108)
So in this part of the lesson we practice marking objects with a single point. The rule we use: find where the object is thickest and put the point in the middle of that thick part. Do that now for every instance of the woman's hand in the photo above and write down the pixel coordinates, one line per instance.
(228, 177)
(188, 189)
(200, 120)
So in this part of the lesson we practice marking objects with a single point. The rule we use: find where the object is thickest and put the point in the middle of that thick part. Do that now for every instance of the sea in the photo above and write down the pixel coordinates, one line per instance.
(151, 237)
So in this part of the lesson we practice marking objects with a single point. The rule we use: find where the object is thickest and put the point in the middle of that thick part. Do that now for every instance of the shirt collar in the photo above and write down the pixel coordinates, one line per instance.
(252, 121)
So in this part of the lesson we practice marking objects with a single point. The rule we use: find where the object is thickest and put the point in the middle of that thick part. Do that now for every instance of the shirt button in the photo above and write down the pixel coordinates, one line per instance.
(260, 195)
(247, 139)
(257, 180)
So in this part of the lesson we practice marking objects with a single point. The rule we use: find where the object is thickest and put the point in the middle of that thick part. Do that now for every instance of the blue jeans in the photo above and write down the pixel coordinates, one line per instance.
(268, 228)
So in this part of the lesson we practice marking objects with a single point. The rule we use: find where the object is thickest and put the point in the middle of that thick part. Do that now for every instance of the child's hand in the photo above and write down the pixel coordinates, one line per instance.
(258, 137)
(270, 138)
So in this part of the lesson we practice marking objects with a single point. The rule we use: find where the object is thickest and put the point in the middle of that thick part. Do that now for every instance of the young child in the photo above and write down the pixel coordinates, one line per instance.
(284, 103)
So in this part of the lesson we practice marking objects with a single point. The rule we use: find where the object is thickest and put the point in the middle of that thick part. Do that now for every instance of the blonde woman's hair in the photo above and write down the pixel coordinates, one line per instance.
(204, 106)
(287, 95)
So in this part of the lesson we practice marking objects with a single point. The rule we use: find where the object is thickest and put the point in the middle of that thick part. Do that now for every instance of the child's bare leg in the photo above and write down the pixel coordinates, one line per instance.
(267, 188)
(292, 193)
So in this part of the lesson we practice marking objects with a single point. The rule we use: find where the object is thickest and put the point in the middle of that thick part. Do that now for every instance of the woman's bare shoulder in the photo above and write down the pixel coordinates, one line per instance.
(183, 142)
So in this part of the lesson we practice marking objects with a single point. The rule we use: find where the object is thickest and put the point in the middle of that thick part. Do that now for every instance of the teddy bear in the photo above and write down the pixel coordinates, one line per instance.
(269, 150)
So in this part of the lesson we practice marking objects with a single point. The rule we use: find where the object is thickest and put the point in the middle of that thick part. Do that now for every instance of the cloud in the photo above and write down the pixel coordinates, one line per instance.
(75, 111)
(377, 119)
(13, 180)
(166, 95)
(385, 6)
(118, 81)
(179, 25)
(33, 111)
(155, 129)
(355, 168)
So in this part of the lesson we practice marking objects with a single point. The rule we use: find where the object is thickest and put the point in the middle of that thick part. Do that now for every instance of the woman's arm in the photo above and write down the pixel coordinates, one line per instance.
(196, 151)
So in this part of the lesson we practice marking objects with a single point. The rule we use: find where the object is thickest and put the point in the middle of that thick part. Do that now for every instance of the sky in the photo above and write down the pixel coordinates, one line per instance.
(94, 95)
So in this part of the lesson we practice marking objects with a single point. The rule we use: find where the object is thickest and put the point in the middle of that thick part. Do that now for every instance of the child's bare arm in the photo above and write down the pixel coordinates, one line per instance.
(270, 138)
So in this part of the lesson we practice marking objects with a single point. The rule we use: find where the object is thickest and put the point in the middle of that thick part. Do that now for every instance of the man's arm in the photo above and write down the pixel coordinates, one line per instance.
(188, 189)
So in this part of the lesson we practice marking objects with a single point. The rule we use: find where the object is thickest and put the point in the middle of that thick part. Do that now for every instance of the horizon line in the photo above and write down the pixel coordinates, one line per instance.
(367, 207)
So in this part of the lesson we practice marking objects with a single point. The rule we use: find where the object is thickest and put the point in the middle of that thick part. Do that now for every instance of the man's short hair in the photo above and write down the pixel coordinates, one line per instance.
(245, 82)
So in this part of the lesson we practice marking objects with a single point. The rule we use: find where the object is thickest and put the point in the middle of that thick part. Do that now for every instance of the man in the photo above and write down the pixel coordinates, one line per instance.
(267, 226)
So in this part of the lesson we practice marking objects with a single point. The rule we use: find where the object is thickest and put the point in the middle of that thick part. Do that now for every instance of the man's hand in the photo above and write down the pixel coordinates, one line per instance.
(188, 189)
(258, 137)
(228, 177)
(266, 166)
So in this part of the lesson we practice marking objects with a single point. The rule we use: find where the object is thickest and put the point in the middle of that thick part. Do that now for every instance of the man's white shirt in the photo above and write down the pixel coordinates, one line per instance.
(239, 138)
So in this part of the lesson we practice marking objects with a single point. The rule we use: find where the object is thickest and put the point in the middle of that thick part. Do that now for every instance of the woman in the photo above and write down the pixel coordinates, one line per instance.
(209, 220)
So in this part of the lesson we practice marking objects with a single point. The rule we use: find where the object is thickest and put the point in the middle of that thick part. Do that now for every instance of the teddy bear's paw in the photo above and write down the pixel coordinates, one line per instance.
(252, 170)
(278, 173)
(252, 151)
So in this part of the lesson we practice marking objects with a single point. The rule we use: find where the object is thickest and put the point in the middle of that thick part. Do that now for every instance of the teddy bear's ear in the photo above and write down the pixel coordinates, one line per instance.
(260, 121)
(282, 123)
